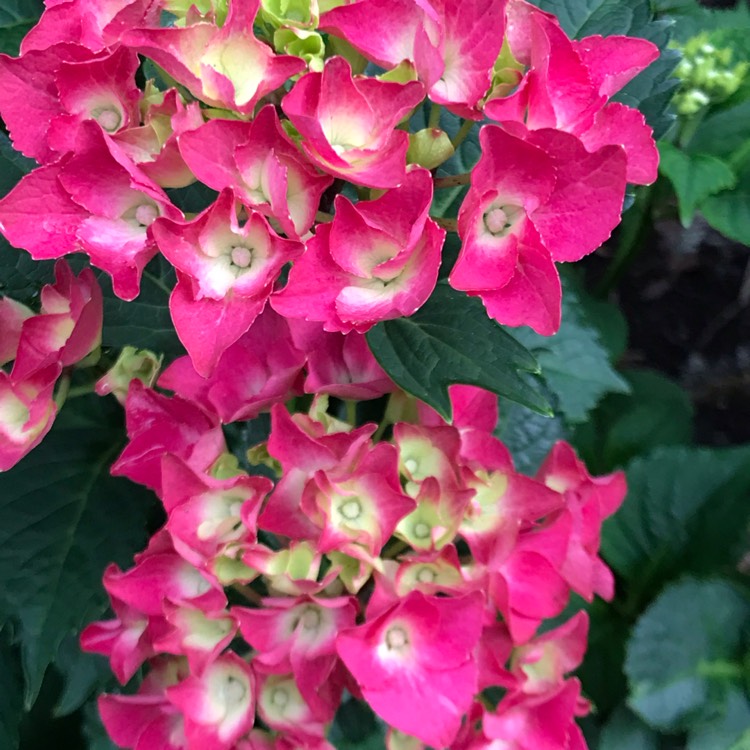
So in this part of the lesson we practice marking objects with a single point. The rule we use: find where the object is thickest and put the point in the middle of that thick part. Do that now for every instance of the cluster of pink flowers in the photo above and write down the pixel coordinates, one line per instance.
(412, 572)
(273, 132)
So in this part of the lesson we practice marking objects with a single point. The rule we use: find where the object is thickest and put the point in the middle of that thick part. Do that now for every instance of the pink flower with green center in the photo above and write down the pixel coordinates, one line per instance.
(225, 274)
(532, 202)
(261, 164)
(375, 261)
(46, 94)
(218, 705)
(94, 200)
(415, 660)
(224, 66)
(348, 123)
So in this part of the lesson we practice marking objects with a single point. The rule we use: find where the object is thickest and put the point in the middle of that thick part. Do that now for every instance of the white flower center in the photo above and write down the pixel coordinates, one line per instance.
(396, 638)
(421, 530)
(109, 118)
(241, 257)
(351, 510)
(146, 214)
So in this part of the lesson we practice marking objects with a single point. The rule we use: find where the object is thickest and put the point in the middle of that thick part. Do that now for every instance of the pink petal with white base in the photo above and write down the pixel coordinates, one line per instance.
(219, 706)
(415, 656)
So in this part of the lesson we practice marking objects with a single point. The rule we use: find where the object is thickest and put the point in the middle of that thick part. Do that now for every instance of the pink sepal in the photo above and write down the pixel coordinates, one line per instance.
(157, 425)
(417, 655)
(250, 376)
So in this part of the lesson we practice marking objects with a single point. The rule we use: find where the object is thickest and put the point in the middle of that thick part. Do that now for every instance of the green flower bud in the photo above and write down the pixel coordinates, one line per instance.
(429, 148)
(308, 45)
(298, 14)
(132, 364)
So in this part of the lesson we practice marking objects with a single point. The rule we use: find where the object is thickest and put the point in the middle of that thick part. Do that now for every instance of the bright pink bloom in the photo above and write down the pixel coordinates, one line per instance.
(303, 448)
(125, 640)
(588, 501)
(198, 635)
(45, 95)
(96, 201)
(568, 84)
(218, 705)
(545, 722)
(415, 660)
(157, 425)
(282, 706)
(357, 504)
(94, 24)
(261, 164)
(377, 260)
(225, 273)
(347, 123)
(473, 408)
(27, 411)
(339, 364)
(161, 576)
(12, 316)
(529, 204)
(224, 66)
(206, 514)
(452, 45)
(250, 377)
(154, 145)
(68, 327)
(299, 635)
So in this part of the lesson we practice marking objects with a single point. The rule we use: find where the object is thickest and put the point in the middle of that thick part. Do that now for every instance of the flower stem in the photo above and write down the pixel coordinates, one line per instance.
(453, 180)
(450, 225)
(434, 121)
(463, 131)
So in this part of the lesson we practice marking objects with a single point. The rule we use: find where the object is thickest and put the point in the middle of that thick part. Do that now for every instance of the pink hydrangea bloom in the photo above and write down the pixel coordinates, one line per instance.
(415, 660)
(376, 260)
(348, 123)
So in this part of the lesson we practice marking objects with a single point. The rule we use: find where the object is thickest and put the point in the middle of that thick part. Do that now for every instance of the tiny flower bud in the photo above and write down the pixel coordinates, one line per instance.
(429, 148)
(132, 363)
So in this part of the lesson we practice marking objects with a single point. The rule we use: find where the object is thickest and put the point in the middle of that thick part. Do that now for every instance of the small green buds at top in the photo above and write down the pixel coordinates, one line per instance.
(308, 45)
(506, 73)
(299, 14)
(131, 364)
(429, 148)
(708, 76)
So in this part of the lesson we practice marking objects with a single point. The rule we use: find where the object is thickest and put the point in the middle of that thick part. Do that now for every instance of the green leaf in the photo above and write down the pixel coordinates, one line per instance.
(575, 366)
(625, 731)
(680, 660)
(11, 691)
(729, 211)
(722, 133)
(656, 412)
(16, 18)
(529, 436)
(62, 520)
(686, 509)
(725, 730)
(84, 674)
(451, 340)
(94, 731)
(13, 165)
(145, 322)
(694, 177)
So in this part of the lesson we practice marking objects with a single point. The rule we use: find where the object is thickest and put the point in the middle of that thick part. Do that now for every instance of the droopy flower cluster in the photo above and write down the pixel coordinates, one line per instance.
(412, 572)
(407, 565)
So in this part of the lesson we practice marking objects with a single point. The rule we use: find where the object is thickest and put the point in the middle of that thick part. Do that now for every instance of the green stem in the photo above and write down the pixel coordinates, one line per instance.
(63, 389)
(453, 180)
(463, 131)
(381, 429)
(720, 669)
(351, 413)
(434, 121)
